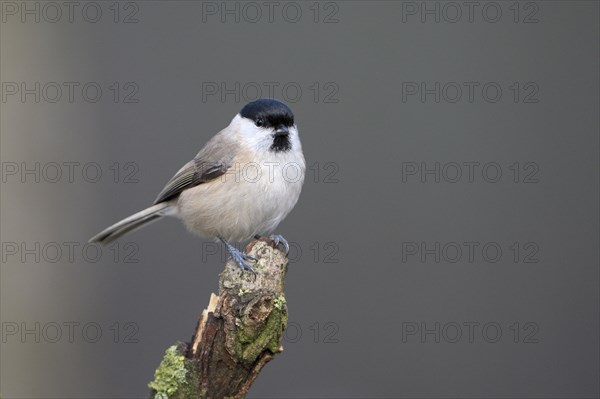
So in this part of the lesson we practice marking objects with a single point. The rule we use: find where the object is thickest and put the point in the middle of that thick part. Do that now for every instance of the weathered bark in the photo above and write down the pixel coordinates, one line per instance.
(236, 335)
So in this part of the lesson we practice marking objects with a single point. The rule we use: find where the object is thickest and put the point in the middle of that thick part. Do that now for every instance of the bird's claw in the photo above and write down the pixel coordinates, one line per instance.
(240, 258)
(278, 239)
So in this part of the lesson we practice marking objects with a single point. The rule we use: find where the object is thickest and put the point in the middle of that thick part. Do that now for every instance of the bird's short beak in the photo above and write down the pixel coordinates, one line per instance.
(281, 131)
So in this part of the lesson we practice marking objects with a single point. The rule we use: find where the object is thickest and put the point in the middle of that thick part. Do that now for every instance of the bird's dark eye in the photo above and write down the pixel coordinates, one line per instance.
(260, 122)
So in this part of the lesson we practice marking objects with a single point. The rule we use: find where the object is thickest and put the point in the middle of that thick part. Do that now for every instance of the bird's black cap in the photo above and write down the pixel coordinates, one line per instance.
(268, 113)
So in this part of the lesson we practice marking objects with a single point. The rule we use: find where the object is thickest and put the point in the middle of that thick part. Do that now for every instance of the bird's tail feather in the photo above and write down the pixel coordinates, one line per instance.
(131, 223)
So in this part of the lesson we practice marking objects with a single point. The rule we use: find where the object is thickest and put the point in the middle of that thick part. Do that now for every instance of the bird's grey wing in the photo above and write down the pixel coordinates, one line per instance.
(193, 173)
(213, 160)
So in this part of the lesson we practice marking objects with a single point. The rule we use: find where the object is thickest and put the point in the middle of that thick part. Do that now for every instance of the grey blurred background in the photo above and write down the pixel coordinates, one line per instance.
(408, 279)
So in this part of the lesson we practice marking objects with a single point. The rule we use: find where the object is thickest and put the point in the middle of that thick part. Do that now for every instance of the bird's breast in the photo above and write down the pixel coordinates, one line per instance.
(252, 197)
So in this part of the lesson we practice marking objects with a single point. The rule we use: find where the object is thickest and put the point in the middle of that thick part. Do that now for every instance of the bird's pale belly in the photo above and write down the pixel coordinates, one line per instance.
(250, 200)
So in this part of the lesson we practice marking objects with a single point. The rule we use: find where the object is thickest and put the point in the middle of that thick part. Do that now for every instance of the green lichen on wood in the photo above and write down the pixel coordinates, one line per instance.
(170, 376)
(279, 302)
(168, 382)
(262, 313)
(253, 341)
(189, 390)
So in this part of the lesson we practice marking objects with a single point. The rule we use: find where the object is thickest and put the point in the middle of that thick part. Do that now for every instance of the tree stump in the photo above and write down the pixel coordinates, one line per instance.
(236, 335)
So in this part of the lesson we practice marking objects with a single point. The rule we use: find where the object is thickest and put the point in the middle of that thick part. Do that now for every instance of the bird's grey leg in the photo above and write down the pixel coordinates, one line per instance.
(278, 239)
(240, 258)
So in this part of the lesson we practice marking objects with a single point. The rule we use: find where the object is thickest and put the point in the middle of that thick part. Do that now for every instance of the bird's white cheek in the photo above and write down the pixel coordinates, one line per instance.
(256, 139)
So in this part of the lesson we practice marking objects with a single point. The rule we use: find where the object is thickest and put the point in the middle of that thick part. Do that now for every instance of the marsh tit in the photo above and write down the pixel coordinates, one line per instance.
(242, 183)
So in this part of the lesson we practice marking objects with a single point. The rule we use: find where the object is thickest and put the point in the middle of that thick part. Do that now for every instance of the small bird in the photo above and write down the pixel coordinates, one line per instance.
(241, 184)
